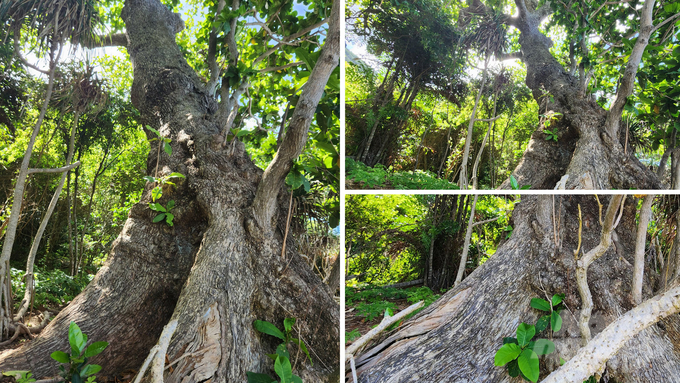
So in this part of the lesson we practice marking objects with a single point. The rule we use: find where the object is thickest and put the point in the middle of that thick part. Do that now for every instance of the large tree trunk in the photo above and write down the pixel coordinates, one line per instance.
(215, 270)
(456, 338)
(586, 151)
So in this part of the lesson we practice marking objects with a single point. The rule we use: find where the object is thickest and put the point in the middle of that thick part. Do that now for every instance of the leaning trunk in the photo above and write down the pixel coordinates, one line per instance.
(215, 270)
(490, 304)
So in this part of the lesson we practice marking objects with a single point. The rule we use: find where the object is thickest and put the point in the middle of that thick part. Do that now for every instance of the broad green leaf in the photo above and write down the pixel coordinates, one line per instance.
(76, 339)
(258, 378)
(159, 218)
(167, 148)
(156, 207)
(171, 205)
(557, 299)
(95, 348)
(150, 179)
(296, 379)
(244, 132)
(556, 321)
(283, 369)
(540, 304)
(156, 193)
(17, 374)
(528, 364)
(524, 333)
(513, 368)
(282, 351)
(509, 340)
(268, 328)
(60, 357)
(90, 369)
(513, 183)
(75, 378)
(506, 353)
(543, 347)
(542, 323)
(288, 324)
(154, 130)
(562, 361)
(176, 175)
(169, 217)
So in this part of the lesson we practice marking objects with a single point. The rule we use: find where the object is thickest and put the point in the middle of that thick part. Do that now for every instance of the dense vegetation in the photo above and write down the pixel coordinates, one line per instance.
(430, 70)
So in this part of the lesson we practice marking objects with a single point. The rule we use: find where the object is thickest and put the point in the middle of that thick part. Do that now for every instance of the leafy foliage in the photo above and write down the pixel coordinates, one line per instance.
(281, 358)
(77, 368)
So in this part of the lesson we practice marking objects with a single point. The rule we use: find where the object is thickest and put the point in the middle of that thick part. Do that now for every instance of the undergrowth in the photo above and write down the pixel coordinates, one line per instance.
(372, 301)
(381, 177)
(53, 287)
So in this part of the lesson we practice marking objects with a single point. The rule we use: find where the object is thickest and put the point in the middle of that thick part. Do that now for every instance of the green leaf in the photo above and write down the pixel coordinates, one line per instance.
(513, 183)
(60, 357)
(524, 333)
(90, 369)
(528, 364)
(507, 340)
(303, 347)
(283, 369)
(281, 350)
(296, 379)
(154, 130)
(557, 298)
(156, 207)
(506, 353)
(244, 132)
(542, 323)
(268, 328)
(156, 193)
(556, 321)
(150, 179)
(75, 378)
(171, 205)
(543, 347)
(169, 217)
(176, 175)
(167, 148)
(562, 361)
(258, 378)
(159, 218)
(76, 339)
(288, 324)
(303, 55)
(95, 349)
(540, 304)
(513, 368)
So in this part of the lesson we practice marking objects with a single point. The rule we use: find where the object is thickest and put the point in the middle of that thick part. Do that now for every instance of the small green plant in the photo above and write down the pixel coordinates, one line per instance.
(157, 191)
(281, 358)
(374, 309)
(550, 135)
(164, 212)
(76, 362)
(20, 376)
(352, 335)
(520, 354)
(515, 185)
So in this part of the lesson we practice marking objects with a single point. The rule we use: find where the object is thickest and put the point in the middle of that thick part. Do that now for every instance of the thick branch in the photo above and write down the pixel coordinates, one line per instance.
(55, 170)
(590, 257)
(294, 141)
(628, 79)
(639, 268)
(385, 323)
(592, 358)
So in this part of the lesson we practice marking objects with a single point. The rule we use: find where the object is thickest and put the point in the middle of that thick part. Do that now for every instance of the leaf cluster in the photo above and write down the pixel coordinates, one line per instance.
(77, 368)
(281, 358)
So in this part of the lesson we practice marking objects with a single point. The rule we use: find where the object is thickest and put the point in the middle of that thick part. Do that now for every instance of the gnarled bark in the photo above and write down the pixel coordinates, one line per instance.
(456, 338)
(216, 270)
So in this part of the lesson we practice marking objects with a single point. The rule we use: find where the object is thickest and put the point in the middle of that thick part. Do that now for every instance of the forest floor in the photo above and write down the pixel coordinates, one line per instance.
(355, 321)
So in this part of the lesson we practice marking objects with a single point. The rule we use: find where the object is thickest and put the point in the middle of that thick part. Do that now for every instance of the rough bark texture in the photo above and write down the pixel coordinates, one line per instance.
(215, 270)
(455, 339)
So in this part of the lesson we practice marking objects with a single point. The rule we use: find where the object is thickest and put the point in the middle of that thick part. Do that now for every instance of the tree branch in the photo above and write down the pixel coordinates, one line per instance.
(583, 263)
(287, 39)
(274, 69)
(592, 358)
(665, 21)
(111, 40)
(641, 239)
(55, 170)
(264, 204)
